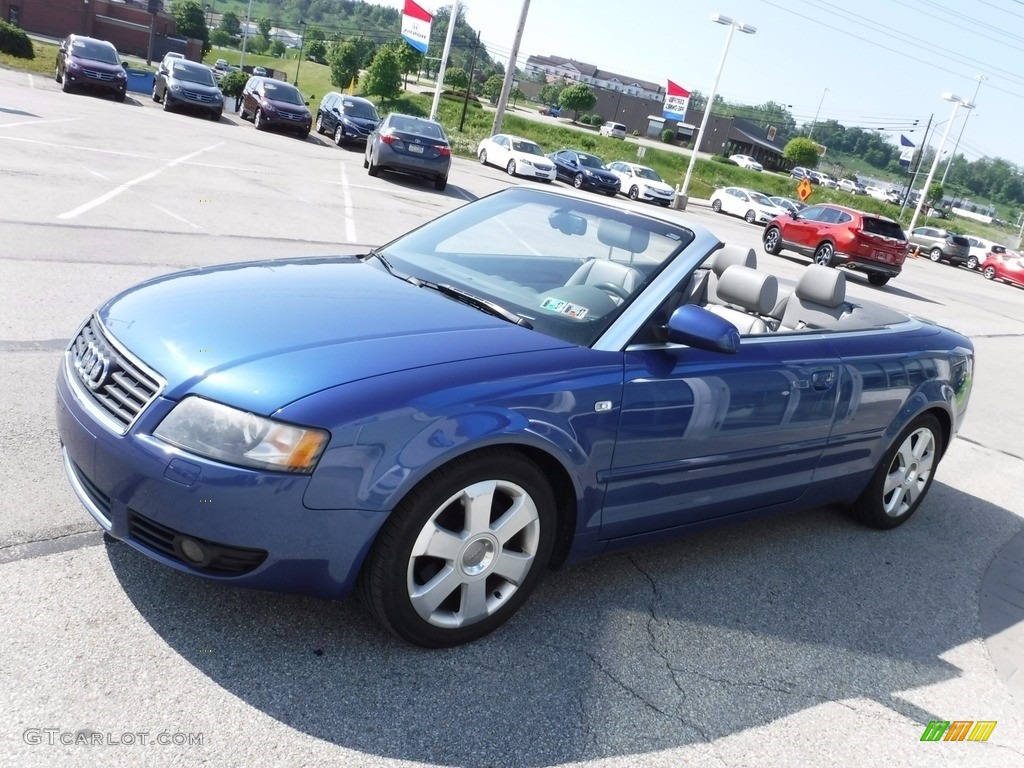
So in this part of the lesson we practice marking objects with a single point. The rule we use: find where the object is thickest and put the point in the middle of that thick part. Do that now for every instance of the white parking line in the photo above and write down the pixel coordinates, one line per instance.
(129, 184)
(37, 122)
(173, 215)
(346, 200)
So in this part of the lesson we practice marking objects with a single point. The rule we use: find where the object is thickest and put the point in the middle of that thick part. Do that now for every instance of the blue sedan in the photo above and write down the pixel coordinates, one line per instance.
(527, 381)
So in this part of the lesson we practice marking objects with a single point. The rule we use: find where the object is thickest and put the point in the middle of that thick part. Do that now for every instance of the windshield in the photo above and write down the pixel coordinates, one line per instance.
(591, 161)
(200, 75)
(527, 148)
(282, 92)
(647, 173)
(543, 257)
(94, 51)
(361, 109)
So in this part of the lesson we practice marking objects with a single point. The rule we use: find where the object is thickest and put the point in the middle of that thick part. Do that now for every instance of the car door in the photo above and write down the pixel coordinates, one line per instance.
(501, 147)
(704, 434)
(565, 164)
(737, 201)
(802, 230)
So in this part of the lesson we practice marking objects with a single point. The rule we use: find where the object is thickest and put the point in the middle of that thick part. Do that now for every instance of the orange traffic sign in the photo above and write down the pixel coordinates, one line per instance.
(803, 190)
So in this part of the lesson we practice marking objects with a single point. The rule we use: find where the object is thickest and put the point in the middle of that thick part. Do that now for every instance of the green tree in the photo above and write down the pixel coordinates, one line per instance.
(801, 151)
(221, 38)
(230, 23)
(277, 48)
(367, 50)
(190, 21)
(384, 75)
(344, 60)
(408, 58)
(517, 95)
(492, 88)
(317, 51)
(258, 44)
(313, 32)
(578, 98)
(935, 193)
(550, 92)
(456, 77)
(264, 24)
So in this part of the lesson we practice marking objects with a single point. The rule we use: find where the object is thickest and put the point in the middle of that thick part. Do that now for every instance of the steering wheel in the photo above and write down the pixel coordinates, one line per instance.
(613, 288)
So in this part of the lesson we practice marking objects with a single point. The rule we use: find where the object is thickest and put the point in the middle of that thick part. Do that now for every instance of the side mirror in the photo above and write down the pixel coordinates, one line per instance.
(696, 327)
(306, 103)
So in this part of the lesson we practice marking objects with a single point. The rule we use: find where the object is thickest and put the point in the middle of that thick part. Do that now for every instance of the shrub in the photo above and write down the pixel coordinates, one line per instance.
(15, 42)
(721, 159)
(588, 144)
(233, 82)
(636, 133)
(668, 135)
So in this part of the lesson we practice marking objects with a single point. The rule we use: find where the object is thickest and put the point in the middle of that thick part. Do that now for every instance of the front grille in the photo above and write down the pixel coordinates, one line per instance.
(95, 74)
(296, 116)
(220, 560)
(205, 98)
(119, 386)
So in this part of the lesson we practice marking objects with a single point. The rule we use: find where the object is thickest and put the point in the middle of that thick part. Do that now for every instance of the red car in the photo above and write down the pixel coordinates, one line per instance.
(1006, 266)
(837, 236)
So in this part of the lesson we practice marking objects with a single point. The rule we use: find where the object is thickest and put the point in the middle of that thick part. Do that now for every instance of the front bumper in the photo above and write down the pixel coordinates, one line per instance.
(280, 122)
(600, 185)
(185, 103)
(101, 82)
(251, 525)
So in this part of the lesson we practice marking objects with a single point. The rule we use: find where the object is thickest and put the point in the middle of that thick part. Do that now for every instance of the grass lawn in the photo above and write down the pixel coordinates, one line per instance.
(43, 64)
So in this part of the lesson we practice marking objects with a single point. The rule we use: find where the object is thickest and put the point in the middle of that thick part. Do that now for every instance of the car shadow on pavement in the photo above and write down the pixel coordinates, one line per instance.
(674, 644)
(9, 111)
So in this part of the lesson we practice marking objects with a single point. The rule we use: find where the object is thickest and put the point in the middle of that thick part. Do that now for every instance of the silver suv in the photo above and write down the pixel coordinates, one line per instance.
(940, 245)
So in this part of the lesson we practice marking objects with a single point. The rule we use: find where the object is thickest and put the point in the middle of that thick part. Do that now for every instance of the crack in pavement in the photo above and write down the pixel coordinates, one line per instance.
(53, 546)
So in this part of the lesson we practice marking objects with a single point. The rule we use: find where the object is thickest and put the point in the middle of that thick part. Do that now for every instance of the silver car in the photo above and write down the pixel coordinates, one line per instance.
(940, 245)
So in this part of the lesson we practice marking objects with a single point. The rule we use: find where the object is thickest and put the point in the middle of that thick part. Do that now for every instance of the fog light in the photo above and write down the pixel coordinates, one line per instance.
(191, 550)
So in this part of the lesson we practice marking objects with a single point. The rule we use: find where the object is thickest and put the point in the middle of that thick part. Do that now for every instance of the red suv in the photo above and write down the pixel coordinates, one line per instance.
(836, 236)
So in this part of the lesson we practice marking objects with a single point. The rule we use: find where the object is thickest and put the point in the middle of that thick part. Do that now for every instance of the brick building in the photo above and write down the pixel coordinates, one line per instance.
(125, 23)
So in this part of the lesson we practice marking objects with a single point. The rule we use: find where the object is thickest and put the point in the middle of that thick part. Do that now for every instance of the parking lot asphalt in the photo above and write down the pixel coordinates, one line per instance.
(804, 640)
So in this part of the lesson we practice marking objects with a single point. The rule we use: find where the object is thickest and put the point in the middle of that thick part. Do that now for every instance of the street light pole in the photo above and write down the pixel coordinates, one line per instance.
(974, 100)
(733, 26)
(957, 103)
(245, 37)
(811, 132)
(302, 42)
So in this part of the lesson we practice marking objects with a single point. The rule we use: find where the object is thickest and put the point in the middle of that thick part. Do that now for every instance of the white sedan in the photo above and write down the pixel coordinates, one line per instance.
(519, 157)
(754, 207)
(638, 182)
(746, 161)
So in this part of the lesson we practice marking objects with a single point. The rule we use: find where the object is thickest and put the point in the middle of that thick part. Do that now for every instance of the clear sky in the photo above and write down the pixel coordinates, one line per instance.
(885, 63)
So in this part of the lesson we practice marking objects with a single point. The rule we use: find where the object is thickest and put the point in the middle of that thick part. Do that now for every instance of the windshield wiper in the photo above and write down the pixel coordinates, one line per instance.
(475, 301)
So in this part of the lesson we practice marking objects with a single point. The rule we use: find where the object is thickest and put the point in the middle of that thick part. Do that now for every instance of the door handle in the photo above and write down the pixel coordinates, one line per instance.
(823, 379)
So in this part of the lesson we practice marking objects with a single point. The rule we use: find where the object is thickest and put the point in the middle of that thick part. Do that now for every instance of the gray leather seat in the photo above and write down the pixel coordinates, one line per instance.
(725, 257)
(597, 271)
(747, 295)
(818, 300)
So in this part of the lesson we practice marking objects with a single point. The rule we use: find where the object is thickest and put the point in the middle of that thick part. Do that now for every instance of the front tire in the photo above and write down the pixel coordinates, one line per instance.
(257, 120)
(634, 193)
(462, 551)
(577, 181)
(320, 125)
(772, 241)
(825, 255)
(510, 169)
(903, 476)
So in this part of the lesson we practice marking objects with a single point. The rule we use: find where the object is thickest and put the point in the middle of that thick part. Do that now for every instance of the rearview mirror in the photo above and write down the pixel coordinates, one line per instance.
(568, 223)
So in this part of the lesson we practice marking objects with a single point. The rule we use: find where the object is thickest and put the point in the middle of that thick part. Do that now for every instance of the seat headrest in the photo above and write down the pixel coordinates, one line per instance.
(748, 288)
(733, 254)
(618, 234)
(822, 285)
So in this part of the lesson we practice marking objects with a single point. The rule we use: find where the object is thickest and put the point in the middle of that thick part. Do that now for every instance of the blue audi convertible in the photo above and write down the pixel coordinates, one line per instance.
(529, 380)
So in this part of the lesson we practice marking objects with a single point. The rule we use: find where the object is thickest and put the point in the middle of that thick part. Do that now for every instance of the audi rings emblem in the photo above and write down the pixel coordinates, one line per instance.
(92, 365)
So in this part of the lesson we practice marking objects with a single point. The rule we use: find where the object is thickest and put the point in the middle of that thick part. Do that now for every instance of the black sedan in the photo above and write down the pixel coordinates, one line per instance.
(584, 171)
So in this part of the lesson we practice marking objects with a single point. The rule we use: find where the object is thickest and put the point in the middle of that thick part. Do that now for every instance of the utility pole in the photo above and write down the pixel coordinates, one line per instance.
(472, 67)
(917, 166)
(439, 85)
(510, 71)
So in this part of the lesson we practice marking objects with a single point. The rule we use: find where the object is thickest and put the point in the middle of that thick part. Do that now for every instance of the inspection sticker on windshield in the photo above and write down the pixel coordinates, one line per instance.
(564, 308)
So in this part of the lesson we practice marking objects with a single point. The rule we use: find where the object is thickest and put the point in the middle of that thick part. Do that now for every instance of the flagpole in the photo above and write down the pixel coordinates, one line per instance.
(444, 59)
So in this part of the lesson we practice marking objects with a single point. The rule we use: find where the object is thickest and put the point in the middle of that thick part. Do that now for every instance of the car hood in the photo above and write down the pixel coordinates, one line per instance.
(99, 66)
(191, 85)
(264, 334)
(286, 106)
(660, 185)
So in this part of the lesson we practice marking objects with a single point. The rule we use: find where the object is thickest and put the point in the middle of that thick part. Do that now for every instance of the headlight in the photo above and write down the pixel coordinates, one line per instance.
(524, 161)
(175, 87)
(238, 437)
(121, 75)
(588, 172)
(266, 106)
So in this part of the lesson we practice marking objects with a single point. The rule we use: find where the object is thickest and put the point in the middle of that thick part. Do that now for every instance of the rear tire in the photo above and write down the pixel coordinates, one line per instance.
(877, 278)
(989, 272)
(440, 183)
(483, 157)
(903, 477)
(750, 217)
(972, 262)
(371, 168)
(825, 255)
(716, 206)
